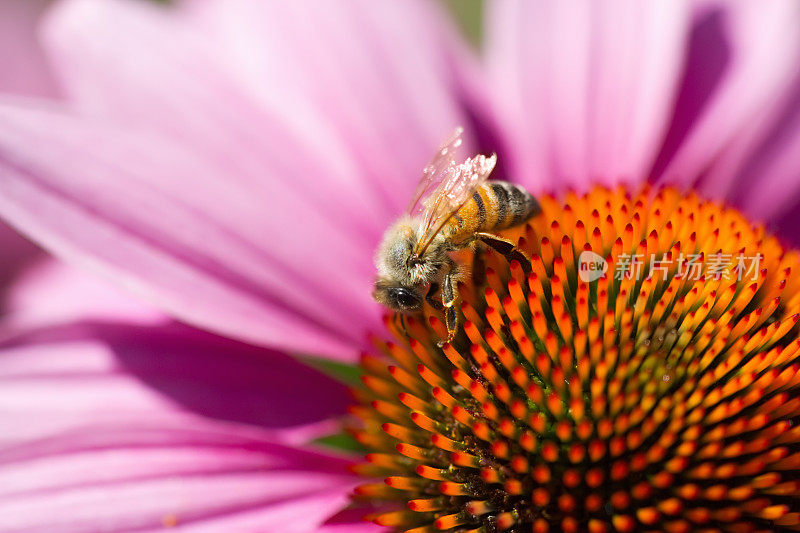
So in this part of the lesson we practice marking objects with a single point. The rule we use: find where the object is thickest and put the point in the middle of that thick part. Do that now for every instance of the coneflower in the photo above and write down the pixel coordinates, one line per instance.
(641, 375)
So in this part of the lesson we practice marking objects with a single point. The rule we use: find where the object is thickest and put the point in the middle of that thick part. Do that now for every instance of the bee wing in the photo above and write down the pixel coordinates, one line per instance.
(435, 173)
(460, 184)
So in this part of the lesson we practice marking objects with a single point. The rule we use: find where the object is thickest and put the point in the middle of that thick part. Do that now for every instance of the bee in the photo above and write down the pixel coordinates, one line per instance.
(453, 207)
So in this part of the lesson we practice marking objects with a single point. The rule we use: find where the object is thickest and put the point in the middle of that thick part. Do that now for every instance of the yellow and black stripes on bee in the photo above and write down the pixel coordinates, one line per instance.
(495, 205)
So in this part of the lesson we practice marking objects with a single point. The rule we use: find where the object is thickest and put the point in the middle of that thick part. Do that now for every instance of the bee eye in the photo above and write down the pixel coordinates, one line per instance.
(406, 299)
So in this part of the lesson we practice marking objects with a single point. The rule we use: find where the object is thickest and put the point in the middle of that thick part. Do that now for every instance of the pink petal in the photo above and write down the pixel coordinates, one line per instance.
(765, 164)
(759, 171)
(742, 56)
(23, 67)
(363, 97)
(143, 64)
(92, 371)
(16, 252)
(23, 70)
(386, 78)
(583, 88)
(50, 292)
(111, 426)
(788, 226)
(172, 227)
(136, 474)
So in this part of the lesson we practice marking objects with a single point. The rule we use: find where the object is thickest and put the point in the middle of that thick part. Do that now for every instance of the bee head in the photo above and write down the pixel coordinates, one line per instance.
(397, 297)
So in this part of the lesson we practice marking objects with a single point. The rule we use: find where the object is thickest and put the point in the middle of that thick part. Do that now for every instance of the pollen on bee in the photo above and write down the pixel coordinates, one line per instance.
(653, 389)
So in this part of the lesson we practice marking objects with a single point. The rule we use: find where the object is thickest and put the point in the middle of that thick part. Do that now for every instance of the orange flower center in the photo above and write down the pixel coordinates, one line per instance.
(643, 376)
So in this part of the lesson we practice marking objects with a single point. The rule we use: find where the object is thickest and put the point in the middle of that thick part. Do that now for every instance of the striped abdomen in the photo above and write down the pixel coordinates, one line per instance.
(496, 205)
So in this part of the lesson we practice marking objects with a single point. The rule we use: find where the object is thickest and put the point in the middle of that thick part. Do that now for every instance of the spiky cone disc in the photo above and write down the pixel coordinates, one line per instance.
(659, 403)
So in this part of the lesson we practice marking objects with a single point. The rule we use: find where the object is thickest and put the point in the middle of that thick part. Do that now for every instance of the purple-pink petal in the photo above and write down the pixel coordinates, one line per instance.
(93, 371)
(137, 475)
(115, 428)
(16, 252)
(116, 419)
(362, 91)
(23, 66)
(583, 90)
(50, 292)
(23, 70)
(145, 65)
(740, 60)
(172, 227)
(386, 78)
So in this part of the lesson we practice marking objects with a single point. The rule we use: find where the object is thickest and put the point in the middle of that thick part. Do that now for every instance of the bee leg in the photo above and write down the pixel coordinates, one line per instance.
(507, 249)
(449, 299)
(403, 324)
(430, 297)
